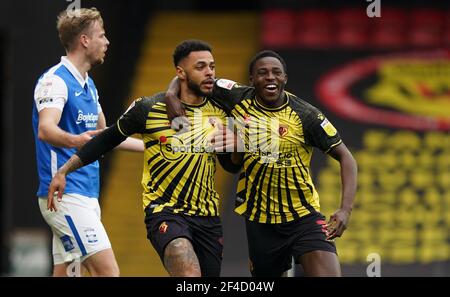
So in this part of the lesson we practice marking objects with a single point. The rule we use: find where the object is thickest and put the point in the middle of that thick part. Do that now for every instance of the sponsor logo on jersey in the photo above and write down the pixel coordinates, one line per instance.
(45, 100)
(89, 119)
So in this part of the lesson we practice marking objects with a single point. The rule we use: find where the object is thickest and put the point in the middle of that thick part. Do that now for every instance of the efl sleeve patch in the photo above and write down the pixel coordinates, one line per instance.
(225, 83)
(328, 128)
(50, 91)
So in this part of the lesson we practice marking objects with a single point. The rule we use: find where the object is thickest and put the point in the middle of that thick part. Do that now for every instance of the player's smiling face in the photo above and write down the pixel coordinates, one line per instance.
(269, 79)
(200, 71)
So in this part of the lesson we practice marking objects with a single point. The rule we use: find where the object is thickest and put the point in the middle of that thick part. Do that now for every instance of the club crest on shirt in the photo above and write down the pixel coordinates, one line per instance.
(213, 121)
(247, 118)
(283, 130)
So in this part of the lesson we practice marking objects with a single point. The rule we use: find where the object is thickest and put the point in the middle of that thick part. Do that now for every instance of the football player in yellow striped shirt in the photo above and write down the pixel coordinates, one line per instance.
(179, 198)
(276, 193)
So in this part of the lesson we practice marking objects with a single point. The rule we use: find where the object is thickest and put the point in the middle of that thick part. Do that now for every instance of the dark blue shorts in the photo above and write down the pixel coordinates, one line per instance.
(205, 234)
(272, 246)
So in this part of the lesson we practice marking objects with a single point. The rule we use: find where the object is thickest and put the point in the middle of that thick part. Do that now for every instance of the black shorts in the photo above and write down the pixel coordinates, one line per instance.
(205, 234)
(272, 246)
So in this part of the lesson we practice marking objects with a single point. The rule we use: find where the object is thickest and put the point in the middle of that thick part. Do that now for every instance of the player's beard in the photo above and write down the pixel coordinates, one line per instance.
(97, 59)
(97, 62)
(195, 88)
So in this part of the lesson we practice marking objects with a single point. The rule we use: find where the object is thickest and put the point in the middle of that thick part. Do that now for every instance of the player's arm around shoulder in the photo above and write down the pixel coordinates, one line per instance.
(173, 104)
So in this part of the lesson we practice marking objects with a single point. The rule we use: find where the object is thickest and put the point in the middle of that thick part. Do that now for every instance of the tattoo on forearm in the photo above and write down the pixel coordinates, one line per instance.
(72, 164)
(180, 258)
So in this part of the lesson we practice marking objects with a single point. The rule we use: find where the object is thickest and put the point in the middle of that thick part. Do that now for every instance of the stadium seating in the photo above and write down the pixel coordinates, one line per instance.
(402, 206)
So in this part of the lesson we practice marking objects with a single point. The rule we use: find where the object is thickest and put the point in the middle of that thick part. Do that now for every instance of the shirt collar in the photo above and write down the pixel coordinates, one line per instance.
(72, 69)
(274, 108)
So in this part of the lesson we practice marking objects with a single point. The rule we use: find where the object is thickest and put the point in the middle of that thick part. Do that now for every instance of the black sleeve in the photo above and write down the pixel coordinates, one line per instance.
(228, 93)
(227, 164)
(133, 120)
(319, 131)
(100, 144)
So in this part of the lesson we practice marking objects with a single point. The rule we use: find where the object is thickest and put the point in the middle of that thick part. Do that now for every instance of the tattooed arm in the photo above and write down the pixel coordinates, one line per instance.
(58, 183)
(90, 152)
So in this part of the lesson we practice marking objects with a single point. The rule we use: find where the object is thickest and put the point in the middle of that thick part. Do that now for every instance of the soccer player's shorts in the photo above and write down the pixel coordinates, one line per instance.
(272, 246)
(204, 233)
(77, 230)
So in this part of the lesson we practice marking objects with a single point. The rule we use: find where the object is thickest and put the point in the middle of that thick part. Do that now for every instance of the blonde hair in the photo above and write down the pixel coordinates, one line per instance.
(71, 23)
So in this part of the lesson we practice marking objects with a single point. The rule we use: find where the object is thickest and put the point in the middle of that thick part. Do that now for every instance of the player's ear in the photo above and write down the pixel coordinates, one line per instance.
(285, 78)
(181, 73)
(84, 40)
(250, 81)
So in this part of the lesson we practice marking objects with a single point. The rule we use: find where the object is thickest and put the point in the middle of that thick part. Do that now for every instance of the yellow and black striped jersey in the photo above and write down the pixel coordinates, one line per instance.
(179, 167)
(275, 185)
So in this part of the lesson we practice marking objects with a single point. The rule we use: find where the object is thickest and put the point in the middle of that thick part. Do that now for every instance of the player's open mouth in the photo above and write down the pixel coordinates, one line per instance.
(208, 83)
(271, 87)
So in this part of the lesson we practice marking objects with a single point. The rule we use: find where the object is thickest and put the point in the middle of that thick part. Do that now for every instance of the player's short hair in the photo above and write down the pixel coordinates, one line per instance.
(264, 54)
(186, 47)
(70, 23)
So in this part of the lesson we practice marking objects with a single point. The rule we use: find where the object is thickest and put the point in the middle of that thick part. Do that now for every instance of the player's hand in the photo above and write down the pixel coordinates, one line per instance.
(83, 138)
(223, 140)
(174, 107)
(58, 185)
(180, 124)
(338, 223)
